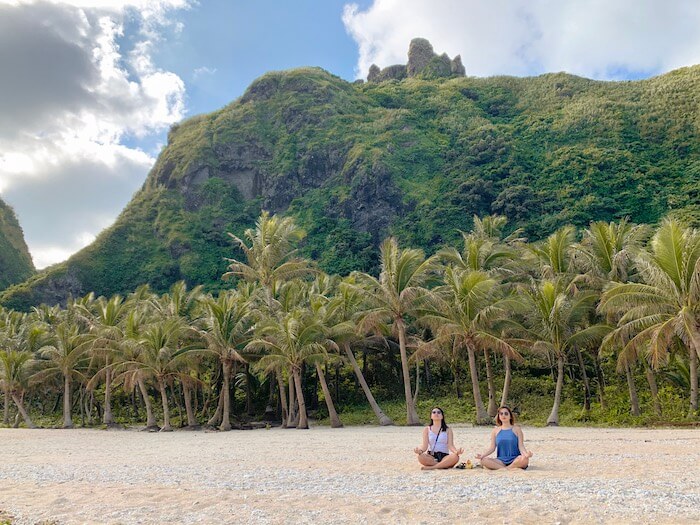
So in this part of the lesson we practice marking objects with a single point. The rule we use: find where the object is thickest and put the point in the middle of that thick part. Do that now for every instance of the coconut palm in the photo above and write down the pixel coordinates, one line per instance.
(665, 306)
(226, 331)
(605, 254)
(465, 313)
(394, 297)
(556, 320)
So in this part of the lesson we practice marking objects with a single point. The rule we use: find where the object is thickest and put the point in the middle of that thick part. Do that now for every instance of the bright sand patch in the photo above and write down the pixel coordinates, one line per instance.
(352, 475)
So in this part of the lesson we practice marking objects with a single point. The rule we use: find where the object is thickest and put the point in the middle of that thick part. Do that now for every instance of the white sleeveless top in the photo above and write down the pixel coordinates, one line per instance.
(441, 445)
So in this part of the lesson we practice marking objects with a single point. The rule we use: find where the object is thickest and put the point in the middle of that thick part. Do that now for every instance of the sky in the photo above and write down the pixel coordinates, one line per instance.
(89, 88)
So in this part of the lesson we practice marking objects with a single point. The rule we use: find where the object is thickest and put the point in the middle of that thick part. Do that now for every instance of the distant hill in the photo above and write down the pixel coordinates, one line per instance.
(15, 262)
(416, 157)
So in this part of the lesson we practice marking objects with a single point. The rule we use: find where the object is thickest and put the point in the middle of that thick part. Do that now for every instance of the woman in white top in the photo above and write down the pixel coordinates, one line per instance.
(438, 449)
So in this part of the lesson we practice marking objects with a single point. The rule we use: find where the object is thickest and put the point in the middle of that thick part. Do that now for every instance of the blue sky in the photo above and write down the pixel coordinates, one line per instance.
(90, 87)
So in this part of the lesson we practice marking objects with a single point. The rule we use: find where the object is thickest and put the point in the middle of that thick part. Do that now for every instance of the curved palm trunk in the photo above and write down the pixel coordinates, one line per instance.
(651, 379)
(482, 417)
(601, 381)
(20, 407)
(553, 419)
(411, 414)
(151, 422)
(6, 409)
(283, 398)
(634, 401)
(166, 410)
(67, 420)
(187, 394)
(332, 414)
(107, 417)
(693, 369)
(586, 384)
(492, 408)
(384, 420)
(293, 414)
(226, 393)
(303, 422)
(215, 419)
(506, 380)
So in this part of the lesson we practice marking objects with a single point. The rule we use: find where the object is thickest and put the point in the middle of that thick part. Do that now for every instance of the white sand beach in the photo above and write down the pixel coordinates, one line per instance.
(351, 475)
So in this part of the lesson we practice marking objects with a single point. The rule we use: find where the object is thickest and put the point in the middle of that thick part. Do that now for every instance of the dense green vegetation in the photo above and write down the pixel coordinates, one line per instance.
(414, 158)
(15, 262)
(573, 324)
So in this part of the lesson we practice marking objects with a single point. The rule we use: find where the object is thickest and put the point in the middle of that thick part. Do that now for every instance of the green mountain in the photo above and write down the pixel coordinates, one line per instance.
(15, 262)
(414, 156)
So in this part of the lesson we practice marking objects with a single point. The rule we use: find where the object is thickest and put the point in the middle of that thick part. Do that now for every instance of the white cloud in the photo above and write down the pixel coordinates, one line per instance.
(203, 71)
(604, 39)
(69, 97)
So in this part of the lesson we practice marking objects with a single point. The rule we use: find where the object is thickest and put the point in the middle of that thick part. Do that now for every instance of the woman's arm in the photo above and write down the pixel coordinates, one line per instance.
(521, 442)
(451, 445)
(492, 445)
(424, 446)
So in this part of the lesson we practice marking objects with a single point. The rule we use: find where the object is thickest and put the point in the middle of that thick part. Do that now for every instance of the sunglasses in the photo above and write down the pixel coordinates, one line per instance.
(436, 412)
(504, 413)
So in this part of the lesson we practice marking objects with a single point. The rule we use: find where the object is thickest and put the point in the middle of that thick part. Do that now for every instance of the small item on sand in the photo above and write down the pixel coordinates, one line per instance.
(465, 464)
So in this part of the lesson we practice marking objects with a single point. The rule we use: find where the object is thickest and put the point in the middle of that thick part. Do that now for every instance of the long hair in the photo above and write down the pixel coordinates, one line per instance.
(498, 417)
(444, 424)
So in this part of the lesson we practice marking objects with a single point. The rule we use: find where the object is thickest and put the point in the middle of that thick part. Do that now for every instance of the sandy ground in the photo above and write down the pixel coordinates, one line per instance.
(351, 475)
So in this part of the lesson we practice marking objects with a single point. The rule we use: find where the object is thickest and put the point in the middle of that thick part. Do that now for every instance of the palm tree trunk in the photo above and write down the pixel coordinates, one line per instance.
(553, 419)
(108, 419)
(22, 411)
(283, 398)
(150, 418)
(482, 417)
(586, 384)
(634, 401)
(187, 393)
(417, 389)
(215, 419)
(303, 422)
(506, 380)
(651, 379)
(492, 408)
(250, 410)
(693, 369)
(332, 414)
(601, 380)
(384, 420)
(225, 392)
(293, 414)
(67, 420)
(6, 408)
(166, 410)
(411, 414)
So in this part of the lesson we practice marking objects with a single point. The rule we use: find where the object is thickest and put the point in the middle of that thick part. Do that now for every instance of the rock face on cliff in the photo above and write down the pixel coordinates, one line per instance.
(15, 262)
(354, 162)
(422, 63)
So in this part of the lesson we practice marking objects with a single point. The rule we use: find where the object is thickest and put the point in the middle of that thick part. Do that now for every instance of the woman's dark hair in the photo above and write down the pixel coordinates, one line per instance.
(498, 417)
(444, 424)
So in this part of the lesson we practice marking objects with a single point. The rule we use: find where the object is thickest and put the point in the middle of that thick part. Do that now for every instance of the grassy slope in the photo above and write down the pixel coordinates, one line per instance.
(15, 262)
(544, 151)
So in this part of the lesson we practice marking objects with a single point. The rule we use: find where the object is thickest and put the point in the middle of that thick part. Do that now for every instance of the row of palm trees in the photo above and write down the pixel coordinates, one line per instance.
(620, 289)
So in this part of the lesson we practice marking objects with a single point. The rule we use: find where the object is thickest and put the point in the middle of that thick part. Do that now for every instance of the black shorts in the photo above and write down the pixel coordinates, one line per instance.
(439, 456)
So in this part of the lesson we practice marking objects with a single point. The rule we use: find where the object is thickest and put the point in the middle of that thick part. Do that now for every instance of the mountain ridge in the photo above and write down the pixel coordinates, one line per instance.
(15, 261)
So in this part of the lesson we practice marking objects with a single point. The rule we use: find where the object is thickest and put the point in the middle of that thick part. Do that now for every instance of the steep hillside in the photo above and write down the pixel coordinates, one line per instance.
(15, 262)
(415, 157)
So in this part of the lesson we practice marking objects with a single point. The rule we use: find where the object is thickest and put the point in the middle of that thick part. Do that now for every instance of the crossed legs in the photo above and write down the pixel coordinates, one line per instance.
(429, 462)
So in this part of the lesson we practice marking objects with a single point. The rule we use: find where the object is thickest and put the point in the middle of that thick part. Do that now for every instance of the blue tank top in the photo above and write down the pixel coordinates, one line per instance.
(507, 445)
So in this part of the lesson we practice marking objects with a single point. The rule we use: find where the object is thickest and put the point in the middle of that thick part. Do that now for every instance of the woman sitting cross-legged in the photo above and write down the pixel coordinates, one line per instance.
(507, 439)
(437, 450)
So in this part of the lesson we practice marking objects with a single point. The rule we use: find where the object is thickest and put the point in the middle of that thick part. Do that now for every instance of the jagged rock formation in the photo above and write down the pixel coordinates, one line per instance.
(422, 63)
(15, 262)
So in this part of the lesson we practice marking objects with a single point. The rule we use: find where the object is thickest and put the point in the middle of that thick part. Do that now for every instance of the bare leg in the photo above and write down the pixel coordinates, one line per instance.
(426, 460)
(520, 462)
(492, 463)
(448, 461)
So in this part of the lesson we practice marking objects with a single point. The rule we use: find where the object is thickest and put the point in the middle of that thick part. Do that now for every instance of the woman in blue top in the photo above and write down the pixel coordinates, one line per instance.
(438, 449)
(508, 442)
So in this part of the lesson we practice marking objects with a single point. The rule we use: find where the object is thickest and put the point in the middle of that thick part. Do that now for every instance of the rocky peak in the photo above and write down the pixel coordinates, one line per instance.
(423, 62)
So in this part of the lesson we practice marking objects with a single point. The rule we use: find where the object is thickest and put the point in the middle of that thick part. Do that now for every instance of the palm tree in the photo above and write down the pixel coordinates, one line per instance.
(666, 305)
(65, 356)
(605, 254)
(465, 313)
(555, 325)
(227, 330)
(394, 297)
